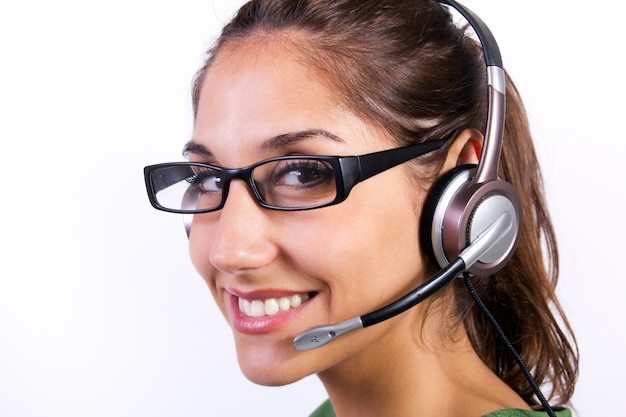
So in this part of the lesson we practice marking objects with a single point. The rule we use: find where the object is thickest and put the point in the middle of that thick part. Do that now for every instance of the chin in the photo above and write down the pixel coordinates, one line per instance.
(274, 367)
(267, 380)
(270, 376)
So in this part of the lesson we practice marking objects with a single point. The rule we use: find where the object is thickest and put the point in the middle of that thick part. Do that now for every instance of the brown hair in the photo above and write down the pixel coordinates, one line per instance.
(405, 65)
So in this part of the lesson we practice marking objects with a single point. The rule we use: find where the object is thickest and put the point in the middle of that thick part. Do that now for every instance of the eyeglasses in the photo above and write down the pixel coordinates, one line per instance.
(288, 183)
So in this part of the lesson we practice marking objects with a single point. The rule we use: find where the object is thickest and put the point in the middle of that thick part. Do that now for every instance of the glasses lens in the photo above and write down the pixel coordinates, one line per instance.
(295, 182)
(187, 187)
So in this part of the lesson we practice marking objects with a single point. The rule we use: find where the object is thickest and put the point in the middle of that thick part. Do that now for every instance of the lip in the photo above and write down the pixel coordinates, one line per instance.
(265, 324)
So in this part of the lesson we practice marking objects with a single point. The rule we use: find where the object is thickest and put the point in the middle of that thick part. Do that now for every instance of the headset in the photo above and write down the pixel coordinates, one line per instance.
(471, 222)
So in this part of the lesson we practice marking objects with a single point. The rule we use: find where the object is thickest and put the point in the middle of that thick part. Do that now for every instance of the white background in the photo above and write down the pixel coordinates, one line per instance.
(101, 313)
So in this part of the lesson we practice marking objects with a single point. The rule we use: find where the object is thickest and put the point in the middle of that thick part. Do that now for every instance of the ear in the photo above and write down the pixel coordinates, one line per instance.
(465, 149)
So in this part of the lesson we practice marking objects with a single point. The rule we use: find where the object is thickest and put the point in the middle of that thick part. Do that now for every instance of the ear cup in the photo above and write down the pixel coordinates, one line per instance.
(438, 199)
(458, 211)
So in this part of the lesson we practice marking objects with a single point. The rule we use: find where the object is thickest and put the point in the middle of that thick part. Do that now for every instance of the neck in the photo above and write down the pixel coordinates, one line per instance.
(421, 375)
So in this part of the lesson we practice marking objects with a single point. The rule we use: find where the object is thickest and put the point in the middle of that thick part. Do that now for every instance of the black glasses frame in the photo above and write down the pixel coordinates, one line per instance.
(349, 171)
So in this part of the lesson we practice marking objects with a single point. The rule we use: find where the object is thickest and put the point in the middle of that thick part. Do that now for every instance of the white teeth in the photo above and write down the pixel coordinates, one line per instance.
(257, 309)
(284, 303)
(270, 306)
(296, 300)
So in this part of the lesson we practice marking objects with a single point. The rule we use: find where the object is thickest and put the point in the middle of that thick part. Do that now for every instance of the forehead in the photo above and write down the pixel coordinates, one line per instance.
(258, 90)
(268, 68)
(255, 81)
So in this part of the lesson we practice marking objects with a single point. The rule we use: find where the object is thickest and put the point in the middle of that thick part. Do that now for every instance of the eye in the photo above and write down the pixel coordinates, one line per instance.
(302, 173)
(206, 181)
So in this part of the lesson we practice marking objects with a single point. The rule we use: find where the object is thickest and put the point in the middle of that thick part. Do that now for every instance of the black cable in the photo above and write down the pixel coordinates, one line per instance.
(533, 384)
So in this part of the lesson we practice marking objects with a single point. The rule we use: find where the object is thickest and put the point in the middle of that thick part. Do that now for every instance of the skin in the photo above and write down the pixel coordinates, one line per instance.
(352, 257)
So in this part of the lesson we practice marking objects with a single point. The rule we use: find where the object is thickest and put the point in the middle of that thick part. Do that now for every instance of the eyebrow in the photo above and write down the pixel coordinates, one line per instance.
(281, 141)
(268, 145)
(196, 148)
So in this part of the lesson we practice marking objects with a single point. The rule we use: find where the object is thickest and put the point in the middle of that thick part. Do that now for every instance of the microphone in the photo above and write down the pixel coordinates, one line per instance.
(321, 335)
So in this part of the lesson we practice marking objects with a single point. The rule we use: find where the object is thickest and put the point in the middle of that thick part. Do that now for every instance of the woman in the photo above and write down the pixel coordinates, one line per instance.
(317, 78)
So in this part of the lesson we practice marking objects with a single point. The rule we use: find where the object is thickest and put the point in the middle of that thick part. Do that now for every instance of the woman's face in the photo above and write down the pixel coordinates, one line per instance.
(274, 273)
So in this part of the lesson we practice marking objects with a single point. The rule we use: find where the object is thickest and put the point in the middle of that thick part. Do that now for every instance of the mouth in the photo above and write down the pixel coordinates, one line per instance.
(271, 306)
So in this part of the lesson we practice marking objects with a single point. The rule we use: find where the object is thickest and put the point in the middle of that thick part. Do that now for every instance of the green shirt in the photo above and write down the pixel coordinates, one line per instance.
(326, 410)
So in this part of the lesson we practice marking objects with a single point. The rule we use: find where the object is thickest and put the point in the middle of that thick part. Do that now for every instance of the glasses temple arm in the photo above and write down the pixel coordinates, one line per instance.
(375, 163)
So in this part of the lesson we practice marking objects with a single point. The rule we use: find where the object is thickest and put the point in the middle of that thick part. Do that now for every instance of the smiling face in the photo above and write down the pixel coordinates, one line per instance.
(274, 273)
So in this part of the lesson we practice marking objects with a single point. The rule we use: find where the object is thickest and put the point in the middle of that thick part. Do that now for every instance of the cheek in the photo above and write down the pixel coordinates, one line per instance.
(367, 250)
(387, 248)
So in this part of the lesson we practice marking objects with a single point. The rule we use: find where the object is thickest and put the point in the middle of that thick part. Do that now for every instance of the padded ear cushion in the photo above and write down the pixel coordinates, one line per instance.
(444, 189)
(458, 211)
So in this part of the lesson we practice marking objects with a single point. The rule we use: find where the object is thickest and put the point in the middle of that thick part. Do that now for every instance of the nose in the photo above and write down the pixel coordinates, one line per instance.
(241, 238)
